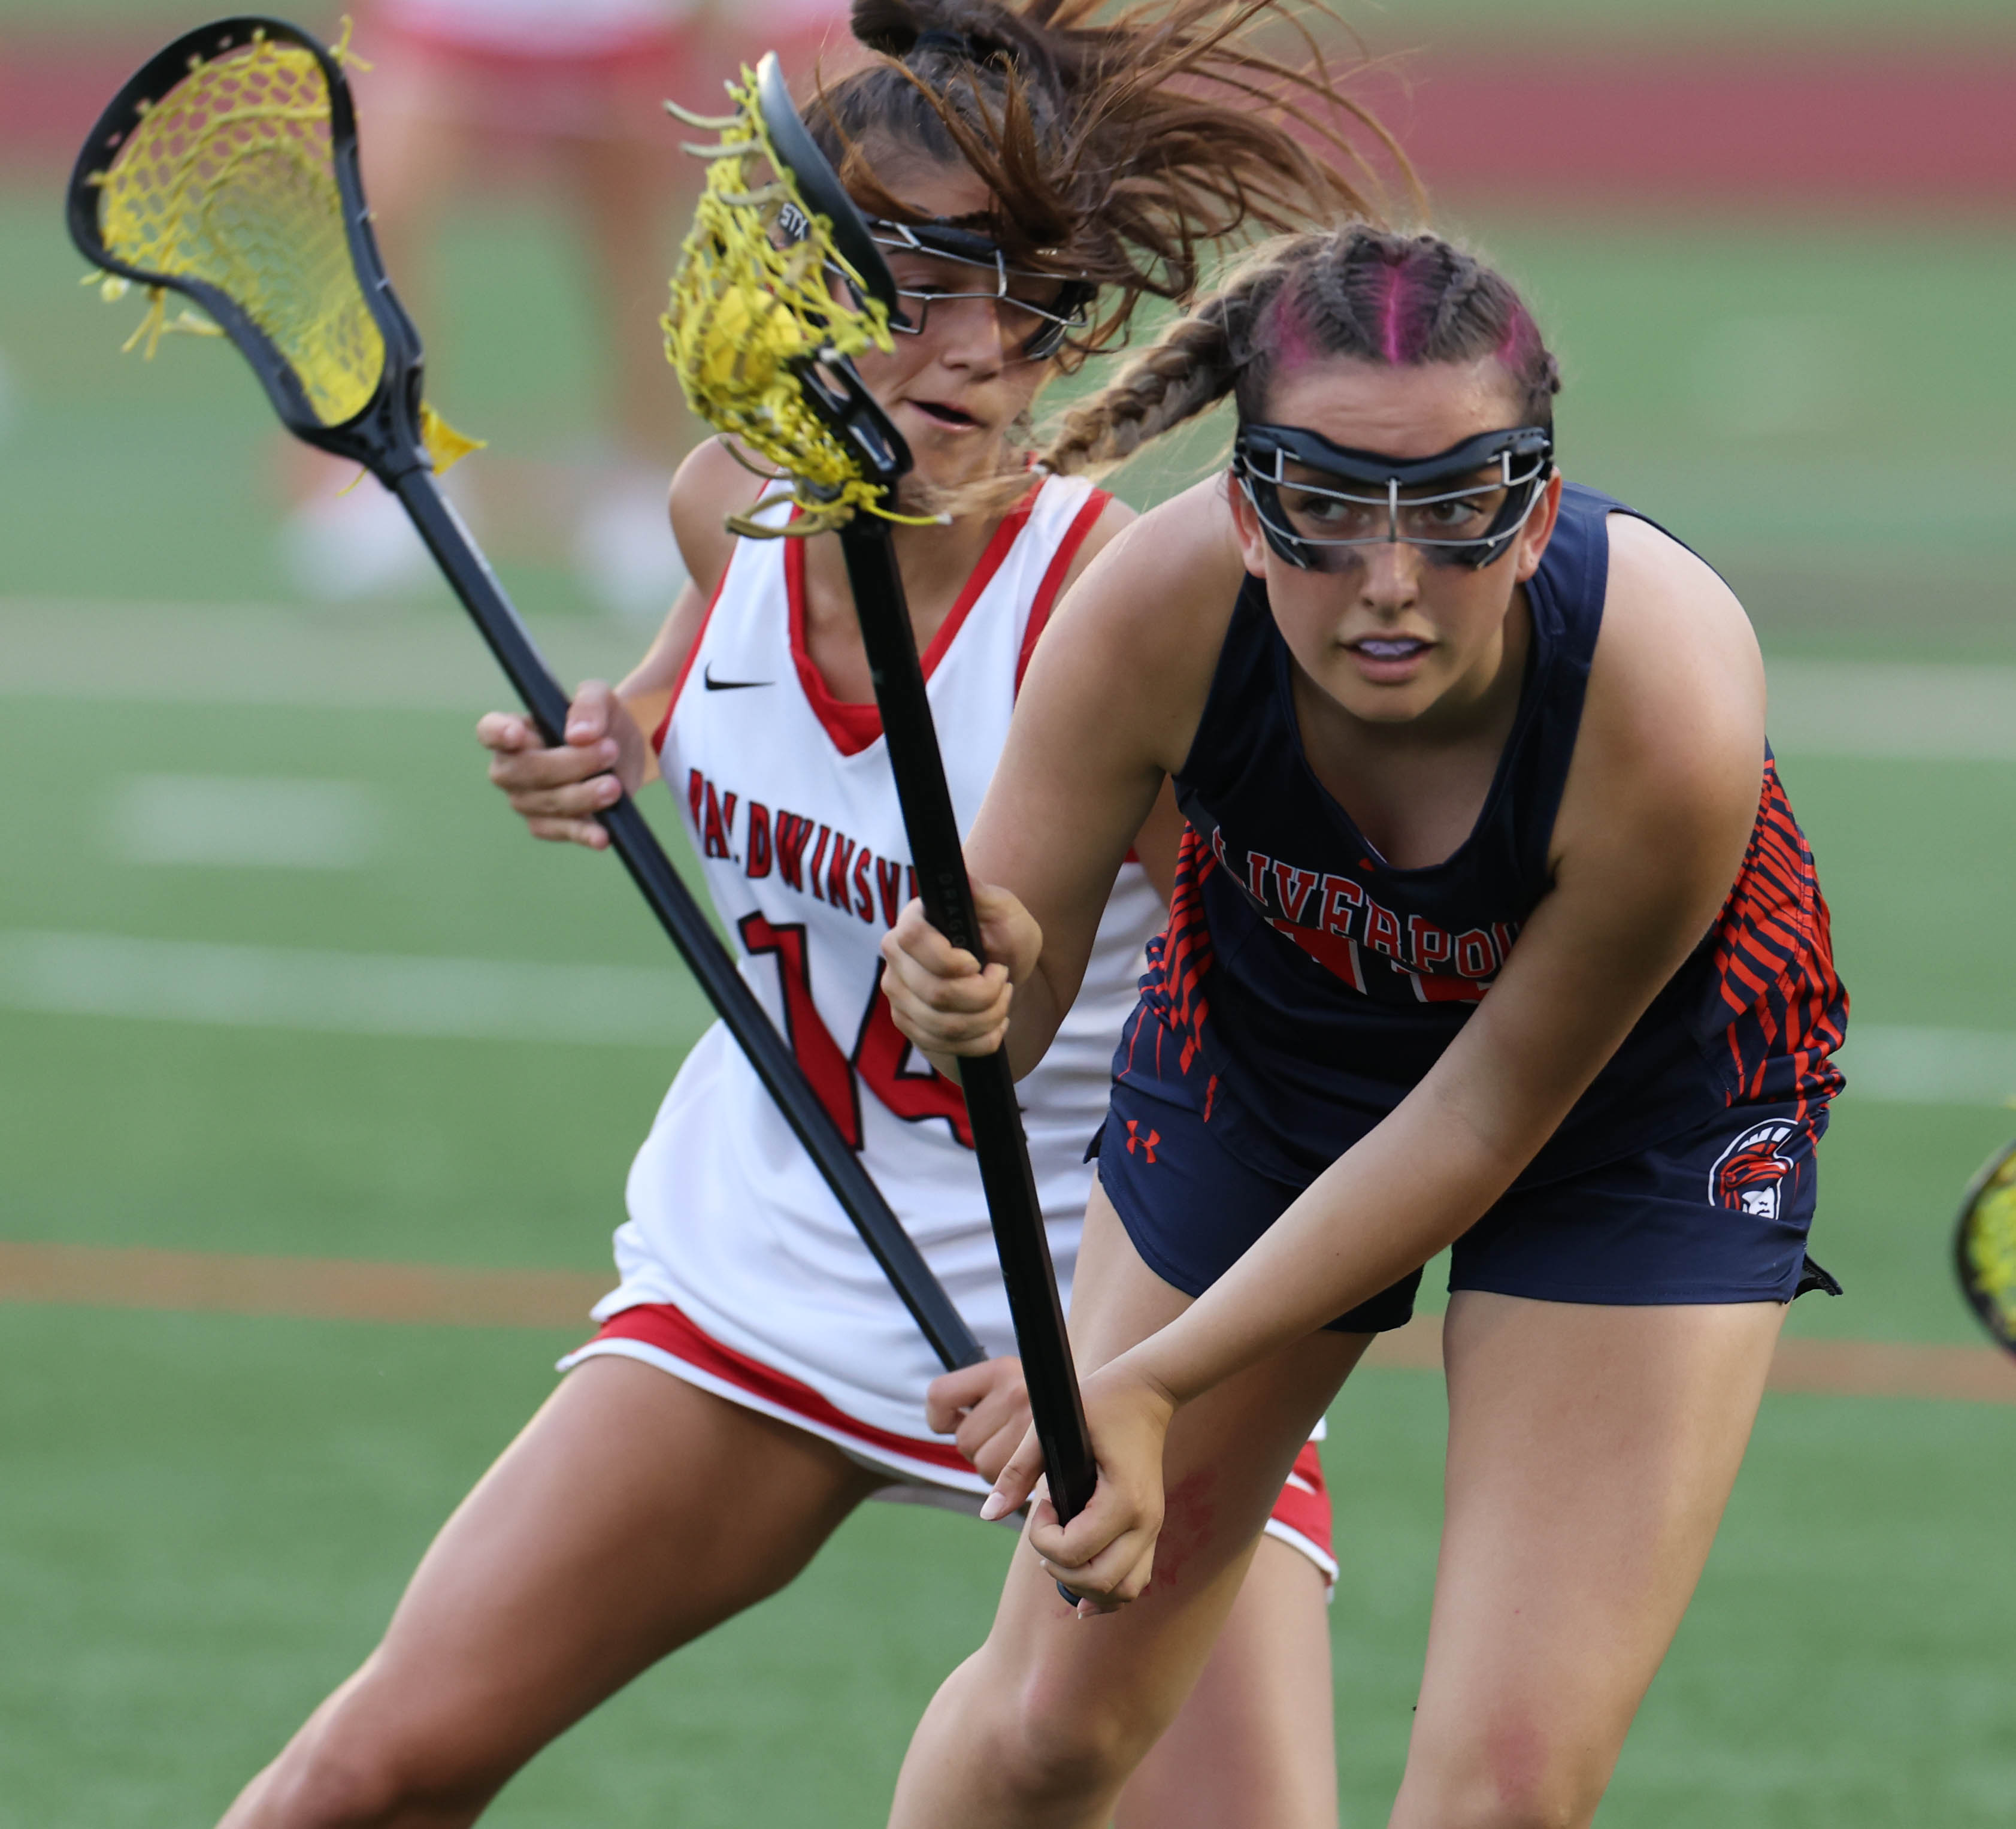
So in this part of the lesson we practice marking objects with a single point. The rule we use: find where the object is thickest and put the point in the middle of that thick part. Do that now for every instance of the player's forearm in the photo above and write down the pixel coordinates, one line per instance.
(1034, 1018)
(1383, 1209)
(647, 710)
(646, 690)
(1036, 1014)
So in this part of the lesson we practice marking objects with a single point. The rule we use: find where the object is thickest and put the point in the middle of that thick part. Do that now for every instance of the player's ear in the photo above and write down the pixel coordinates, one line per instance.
(1246, 527)
(1539, 529)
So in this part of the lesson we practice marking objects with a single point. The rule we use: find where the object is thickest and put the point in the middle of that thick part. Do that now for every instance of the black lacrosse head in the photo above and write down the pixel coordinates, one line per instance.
(226, 170)
(833, 389)
(818, 183)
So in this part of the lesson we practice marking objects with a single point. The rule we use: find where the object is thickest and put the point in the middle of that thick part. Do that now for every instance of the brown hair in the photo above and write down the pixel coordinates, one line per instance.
(1396, 299)
(1120, 152)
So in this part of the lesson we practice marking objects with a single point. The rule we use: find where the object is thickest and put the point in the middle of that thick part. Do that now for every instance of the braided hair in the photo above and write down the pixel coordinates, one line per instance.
(1394, 300)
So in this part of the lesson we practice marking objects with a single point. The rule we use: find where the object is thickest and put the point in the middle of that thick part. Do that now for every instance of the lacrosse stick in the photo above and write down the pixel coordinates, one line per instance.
(779, 286)
(226, 170)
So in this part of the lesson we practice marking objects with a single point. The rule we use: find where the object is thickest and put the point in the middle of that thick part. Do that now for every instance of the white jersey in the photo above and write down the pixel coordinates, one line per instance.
(793, 810)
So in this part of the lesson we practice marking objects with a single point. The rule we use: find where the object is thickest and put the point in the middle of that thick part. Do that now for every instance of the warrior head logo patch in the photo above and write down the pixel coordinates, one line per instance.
(1748, 1175)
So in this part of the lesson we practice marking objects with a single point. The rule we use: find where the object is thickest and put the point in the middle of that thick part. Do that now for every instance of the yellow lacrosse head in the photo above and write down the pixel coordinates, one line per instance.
(228, 179)
(1987, 1248)
(217, 172)
(753, 301)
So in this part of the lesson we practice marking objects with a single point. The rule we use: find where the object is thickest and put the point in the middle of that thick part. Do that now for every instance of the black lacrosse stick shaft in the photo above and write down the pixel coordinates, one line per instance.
(1020, 1240)
(634, 842)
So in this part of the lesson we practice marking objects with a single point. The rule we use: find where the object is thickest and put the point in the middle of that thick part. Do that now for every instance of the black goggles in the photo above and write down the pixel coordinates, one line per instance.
(1338, 499)
(1040, 310)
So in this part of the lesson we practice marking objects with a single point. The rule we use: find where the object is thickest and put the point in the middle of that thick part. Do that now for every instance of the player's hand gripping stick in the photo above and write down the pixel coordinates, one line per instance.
(226, 170)
(1055, 1405)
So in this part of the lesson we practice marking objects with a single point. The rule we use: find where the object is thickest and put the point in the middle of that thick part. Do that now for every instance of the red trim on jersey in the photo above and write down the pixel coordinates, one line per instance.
(692, 653)
(1054, 579)
(854, 726)
(1187, 953)
(1303, 1506)
(671, 1330)
(1774, 959)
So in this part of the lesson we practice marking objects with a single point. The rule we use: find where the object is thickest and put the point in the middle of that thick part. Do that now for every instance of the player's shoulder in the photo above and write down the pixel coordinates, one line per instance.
(1674, 718)
(1135, 640)
(1676, 642)
(1161, 571)
(710, 485)
(1113, 515)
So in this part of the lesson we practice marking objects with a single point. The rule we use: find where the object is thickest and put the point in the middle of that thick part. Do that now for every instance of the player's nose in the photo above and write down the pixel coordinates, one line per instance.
(1390, 576)
(973, 335)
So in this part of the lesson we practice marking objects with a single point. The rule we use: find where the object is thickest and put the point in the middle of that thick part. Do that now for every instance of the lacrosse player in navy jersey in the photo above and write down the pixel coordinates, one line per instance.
(1491, 928)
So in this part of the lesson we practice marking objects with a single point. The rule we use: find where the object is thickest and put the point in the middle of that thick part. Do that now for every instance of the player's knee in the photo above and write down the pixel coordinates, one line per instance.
(329, 1778)
(1518, 1776)
(1061, 1743)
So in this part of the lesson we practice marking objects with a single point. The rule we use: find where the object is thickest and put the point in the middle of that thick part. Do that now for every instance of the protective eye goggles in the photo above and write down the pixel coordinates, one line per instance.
(1338, 499)
(1040, 310)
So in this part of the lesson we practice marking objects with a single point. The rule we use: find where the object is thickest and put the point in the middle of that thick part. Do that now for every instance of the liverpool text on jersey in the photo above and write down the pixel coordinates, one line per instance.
(1337, 921)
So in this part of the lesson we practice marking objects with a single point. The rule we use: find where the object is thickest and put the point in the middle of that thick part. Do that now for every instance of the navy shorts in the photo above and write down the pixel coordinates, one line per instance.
(1718, 1214)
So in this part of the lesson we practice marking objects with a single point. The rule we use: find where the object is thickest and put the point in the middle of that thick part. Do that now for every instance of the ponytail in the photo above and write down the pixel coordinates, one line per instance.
(1189, 368)
(1120, 149)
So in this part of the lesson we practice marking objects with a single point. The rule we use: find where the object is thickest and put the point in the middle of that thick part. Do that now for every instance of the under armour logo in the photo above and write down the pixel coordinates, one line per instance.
(1146, 1144)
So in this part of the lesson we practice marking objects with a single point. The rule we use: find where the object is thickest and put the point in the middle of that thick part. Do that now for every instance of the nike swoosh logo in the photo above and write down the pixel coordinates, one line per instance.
(707, 680)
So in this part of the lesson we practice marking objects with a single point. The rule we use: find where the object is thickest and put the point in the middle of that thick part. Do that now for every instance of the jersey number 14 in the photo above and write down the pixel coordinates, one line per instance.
(881, 1050)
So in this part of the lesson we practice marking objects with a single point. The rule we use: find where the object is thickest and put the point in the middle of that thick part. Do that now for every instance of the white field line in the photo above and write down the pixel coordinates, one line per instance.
(383, 993)
(345, 993)
(243, 821)
(1923, 711)
(1906, 1064)
(356, 659)
(376, 660)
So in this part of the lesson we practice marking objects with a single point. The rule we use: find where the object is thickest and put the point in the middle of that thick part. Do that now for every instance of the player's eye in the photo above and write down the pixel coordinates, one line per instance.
(1320, 512)
(1037, 295)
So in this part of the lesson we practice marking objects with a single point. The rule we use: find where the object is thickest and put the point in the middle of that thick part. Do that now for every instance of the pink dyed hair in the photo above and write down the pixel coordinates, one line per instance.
(1397, 300)
(1394, 300)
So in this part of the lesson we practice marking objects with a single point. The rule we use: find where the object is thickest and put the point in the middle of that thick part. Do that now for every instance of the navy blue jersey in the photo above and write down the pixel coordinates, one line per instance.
(1304, 985)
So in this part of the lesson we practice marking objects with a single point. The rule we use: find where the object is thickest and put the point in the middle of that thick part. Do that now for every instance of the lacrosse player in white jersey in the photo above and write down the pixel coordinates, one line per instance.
(754, 1378)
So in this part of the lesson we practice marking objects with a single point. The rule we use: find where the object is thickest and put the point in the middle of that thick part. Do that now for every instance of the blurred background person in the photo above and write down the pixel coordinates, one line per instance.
(570, 89)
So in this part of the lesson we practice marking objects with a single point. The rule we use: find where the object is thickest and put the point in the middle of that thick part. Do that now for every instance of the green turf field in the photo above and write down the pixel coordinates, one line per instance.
(204, 1519)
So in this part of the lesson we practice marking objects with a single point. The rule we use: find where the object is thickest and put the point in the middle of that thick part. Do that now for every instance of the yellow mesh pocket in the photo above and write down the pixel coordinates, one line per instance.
(229, 179)
(1988, 1245)
(746, 303)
